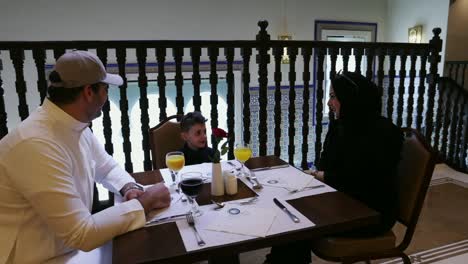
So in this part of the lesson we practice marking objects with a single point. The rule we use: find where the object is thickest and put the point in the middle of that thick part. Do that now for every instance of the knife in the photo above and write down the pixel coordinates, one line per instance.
(165, 218)
(280, 205)
(271, 167)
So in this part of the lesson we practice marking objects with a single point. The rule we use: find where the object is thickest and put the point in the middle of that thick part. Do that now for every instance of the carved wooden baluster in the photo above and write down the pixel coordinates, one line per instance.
(195, 52)
(292, 52)
(229, 54)
(306, 53)
(345, 52)
(3, 114)
(58, 52)
(440, 112)
(246, 53)
(213, 53)
(106, 120)
(179, 79)
(447, 121)
(370, 54)
(17, 56)
(421, 90)
(391, 83)
(358, 52)
(434, 59)
(321, 52)
(412, 74)
(262, 59)
(457, 69)
(143, 84)
(380, 71)
(401, 87)
(464, 138)
(333, 52)
(39, 55)
(161, 58)
(123, 103)
(453, 125)
(277, 53)
(464, 73)
(459, 129)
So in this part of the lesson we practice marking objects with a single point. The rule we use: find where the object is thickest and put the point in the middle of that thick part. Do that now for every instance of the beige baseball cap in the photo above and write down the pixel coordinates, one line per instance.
(78, 68)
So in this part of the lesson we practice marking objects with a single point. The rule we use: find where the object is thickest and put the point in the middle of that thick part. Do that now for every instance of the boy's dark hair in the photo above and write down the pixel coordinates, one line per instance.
(61, 95)
(190, 119)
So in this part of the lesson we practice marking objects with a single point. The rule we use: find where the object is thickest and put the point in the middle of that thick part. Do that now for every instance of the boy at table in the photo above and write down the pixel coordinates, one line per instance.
(193, 133)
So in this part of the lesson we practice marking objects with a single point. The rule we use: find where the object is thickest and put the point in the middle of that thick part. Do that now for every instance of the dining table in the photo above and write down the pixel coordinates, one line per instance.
(323, 212)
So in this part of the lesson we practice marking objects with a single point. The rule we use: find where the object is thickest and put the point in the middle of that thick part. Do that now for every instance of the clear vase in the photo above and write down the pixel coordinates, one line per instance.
(217, 181)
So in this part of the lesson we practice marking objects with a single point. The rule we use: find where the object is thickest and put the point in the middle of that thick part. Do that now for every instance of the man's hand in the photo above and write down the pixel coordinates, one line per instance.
(132, 194)
(155, 197)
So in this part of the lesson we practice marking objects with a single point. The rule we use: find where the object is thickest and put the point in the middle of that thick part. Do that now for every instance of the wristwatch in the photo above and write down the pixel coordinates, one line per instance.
(129, 186)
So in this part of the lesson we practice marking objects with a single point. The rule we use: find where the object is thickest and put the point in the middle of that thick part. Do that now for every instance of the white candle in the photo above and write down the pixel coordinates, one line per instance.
(230, 182)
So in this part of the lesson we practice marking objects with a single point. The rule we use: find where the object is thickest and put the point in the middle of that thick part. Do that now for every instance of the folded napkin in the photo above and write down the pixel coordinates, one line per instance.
(250, 221)
(289, 178)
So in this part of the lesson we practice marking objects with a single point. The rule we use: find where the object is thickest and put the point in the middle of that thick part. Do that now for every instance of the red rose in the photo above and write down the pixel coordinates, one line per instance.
(219, 133)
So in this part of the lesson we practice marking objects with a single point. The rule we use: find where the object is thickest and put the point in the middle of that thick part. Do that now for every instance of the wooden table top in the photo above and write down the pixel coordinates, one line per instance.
(331, 212)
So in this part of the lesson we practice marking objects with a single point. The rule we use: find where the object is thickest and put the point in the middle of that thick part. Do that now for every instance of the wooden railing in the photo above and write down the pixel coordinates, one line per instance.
(457, 71)
(451, 132)
(407, 74)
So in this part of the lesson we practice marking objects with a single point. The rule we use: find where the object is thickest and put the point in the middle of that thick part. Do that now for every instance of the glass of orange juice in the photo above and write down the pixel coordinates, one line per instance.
(175, 161)
(242, 152)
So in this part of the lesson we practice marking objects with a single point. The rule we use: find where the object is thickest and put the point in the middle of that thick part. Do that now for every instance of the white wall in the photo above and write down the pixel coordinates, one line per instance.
(403, 14)
(173, 19)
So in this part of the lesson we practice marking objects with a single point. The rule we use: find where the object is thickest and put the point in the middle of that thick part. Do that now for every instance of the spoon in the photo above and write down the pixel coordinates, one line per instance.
(220, 205)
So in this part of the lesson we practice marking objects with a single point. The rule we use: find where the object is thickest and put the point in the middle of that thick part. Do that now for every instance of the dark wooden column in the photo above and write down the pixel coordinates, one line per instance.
(161, 58)
(370, 54)
(278, 53)
(143, 85)
(178, 53)
(462, 115)
(345, 52)
(17, 56)
(306, 54)
(421, 90)
(195, 53)
(246, 53)
(213, 53)
(453, 127)
(440, 112)
(434, 59)
(229, 54)
(262, 59)
(380, 71)
(391, 83)
(401, 87)
(123, 103)
(106, 120)
(39, 55)
(358, 52)
(292, 52)
(320, 52)
(333, 53)
(412, 74)
(447, 120)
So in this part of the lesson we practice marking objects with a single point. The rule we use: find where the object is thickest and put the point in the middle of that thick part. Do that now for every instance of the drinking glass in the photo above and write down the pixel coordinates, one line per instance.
(191, 184)
(242, 152)
(175, 161)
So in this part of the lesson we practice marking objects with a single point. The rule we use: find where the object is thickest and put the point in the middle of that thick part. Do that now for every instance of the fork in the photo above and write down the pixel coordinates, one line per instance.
(191, 223)
(238, 169)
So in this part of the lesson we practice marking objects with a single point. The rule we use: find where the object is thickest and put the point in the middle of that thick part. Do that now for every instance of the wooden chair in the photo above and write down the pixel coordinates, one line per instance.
(163, 138)
(414, 175)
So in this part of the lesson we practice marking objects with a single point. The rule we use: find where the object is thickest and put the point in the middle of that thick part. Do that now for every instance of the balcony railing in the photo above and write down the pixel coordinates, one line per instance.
(279, 108)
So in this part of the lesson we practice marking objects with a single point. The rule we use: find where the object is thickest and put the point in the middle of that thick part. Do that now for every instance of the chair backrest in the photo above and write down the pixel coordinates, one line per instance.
(163, 138)
(414, 175)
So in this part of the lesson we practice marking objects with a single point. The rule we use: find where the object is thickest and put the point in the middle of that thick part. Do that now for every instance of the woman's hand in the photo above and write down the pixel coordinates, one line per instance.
(318, 175)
